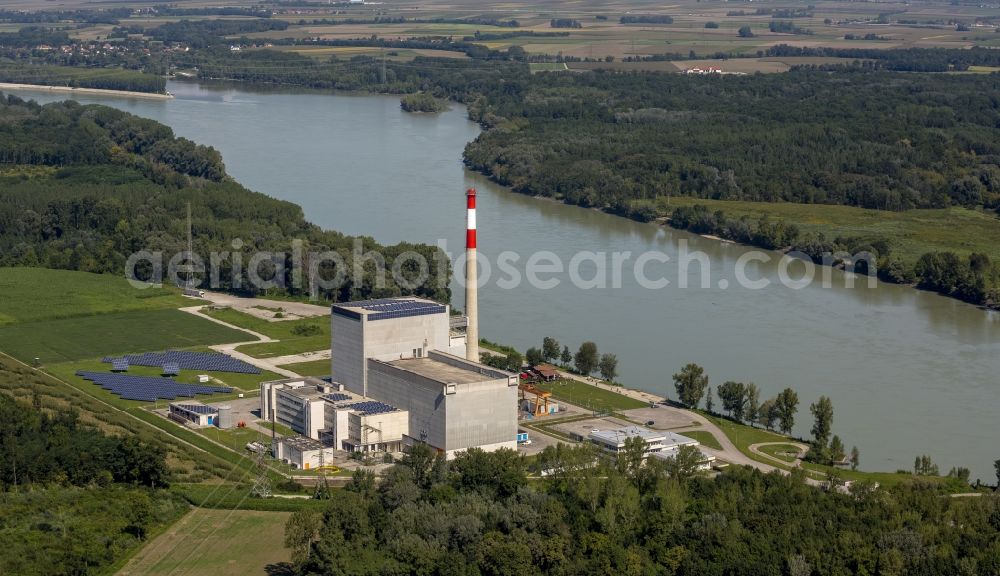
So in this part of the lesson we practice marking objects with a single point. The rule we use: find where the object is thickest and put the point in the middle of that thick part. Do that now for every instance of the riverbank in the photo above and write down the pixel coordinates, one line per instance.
(93, 91)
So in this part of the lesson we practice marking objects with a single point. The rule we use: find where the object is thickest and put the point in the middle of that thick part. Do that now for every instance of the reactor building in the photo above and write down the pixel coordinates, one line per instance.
(403, 370)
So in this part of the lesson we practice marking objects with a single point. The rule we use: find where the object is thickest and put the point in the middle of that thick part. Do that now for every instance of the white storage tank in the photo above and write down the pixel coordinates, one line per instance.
(225, 417)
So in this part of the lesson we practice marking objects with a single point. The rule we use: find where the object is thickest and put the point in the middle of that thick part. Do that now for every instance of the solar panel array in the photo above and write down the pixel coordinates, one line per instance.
(146, 388)
(370, 407)
(384, 308)
(119, 365)
(337, 397)
(206, 361)
(402, 309)
(199, 408)
(171, 369)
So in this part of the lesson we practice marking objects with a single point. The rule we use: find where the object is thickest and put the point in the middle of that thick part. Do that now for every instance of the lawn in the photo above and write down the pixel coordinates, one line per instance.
(912, 233)
(705, 438)
(68, 339)
(590, 397)
(319, 368)
(784, 452)
(32, 294)
(216, 543)
(296, 336)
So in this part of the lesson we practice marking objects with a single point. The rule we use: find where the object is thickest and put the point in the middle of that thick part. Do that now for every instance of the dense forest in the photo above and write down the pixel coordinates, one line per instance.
(74, 500)
(84, 187)
(479, 515)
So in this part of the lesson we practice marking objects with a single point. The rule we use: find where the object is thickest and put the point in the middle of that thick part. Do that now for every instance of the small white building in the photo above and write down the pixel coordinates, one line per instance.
(303, 453)
(193, 412)
(613, 441)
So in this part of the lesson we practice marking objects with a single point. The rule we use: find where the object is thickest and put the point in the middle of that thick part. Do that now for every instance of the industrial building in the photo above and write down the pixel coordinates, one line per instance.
(303, 453)
(660, 445)
(454, 404)
(337, 418)
(387, 329)
(404, 370)
(197, 414)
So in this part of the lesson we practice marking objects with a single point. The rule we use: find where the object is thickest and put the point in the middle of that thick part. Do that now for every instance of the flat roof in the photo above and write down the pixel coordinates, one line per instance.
(301, 443)
(385, 308)
(620, 435)
(440, 371)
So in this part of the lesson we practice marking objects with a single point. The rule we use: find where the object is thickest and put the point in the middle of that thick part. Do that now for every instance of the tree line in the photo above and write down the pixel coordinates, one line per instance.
(90, 185)
(973, 278)
(592, 514)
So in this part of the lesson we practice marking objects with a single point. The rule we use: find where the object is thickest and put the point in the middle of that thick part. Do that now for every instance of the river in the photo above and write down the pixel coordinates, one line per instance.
(909, 372)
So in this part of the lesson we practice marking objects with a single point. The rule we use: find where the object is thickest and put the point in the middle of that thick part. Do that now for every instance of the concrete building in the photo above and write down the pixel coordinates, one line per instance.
(296, 403)
(387, 329)
(356, 424)
(302, 453)
(337, 418)
(453, 404)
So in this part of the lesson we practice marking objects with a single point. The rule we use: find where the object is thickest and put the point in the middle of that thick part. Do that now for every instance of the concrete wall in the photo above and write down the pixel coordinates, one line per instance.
(347, 353)
(423, 398)
(483, 414)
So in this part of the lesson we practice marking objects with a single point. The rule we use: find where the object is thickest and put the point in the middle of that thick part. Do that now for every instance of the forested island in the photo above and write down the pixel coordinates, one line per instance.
(421, 102)
(84, 187)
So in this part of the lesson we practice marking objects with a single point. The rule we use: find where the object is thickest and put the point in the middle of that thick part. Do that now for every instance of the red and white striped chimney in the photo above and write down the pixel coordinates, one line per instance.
(471, 279)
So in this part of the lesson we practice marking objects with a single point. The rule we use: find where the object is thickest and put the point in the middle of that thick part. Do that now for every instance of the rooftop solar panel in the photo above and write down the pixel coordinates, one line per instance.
(198, 408)
(337, 397)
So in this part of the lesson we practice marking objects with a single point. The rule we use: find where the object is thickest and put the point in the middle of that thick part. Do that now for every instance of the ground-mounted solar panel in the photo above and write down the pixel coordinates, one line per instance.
(204, 361)
(147, 388)
(171, 368)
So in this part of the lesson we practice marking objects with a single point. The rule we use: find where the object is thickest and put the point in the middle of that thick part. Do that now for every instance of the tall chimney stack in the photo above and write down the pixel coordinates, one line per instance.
(471, 279)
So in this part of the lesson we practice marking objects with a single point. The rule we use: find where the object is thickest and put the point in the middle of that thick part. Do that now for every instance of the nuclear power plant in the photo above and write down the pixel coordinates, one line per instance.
(403, 371)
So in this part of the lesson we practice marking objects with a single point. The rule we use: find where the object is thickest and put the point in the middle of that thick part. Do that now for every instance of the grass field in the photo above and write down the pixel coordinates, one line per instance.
(68, 339)
(911, 233)
(216, 543)
(706, 438)
(590, 397)
(781, 451)
(318, 368)
(31, 294)
(290, 342)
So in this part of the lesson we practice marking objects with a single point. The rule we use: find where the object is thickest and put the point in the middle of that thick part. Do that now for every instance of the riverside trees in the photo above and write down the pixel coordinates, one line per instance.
(480, 515)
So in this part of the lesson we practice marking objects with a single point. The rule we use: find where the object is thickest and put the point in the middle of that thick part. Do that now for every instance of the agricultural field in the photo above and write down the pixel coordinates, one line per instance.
(216, 543)
(69, 339)
(911, 233)
(32, 294)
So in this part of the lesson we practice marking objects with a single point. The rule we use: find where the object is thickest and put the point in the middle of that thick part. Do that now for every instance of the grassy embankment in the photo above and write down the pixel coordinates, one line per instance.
(296, 336)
